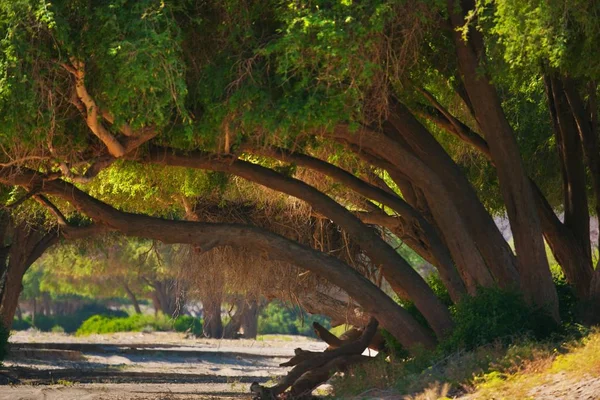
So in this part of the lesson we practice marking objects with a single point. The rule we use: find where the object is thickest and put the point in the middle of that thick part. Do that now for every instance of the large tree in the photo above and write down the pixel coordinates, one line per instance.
(423, 119)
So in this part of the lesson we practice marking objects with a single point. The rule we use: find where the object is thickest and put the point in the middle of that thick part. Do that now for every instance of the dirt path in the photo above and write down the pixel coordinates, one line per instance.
(142, 366)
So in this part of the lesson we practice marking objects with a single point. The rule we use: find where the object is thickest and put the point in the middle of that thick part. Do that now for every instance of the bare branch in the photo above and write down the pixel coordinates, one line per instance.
(62, 221)
(91, 172)
(113, 145)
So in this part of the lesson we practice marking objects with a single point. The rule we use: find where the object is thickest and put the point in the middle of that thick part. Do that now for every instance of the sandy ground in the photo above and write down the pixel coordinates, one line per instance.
(142, 366)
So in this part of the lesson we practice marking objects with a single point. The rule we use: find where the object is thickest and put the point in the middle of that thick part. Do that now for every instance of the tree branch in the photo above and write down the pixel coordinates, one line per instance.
(62, 221)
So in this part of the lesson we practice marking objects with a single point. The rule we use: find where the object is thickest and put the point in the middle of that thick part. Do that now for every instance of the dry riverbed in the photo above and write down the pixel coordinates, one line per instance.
(142, 365)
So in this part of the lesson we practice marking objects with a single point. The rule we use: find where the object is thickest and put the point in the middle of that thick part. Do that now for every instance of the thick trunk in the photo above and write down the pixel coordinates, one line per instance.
(570, 255)
(234, 325)
(213, 324)
(489, 240)
(393, 317)
(570, 152)
(567, 250)
(400, 275)
(27, 246)
(250, 320)
(468, 260)
(414, 221)
(536, 279)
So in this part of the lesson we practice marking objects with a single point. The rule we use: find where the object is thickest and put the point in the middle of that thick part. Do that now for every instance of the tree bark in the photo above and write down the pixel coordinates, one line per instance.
(213, 324)
(492, 246)
(438, 249)
(250, 320)
(132, 298)
(393, 317)
(27, 246)
(570, 152)
(467, 258)
(536, 280)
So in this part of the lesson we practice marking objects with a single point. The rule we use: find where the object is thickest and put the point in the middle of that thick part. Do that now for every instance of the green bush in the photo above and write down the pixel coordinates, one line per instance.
(277, 318)
(4, 334)
(69, 323)
(495, 314)
(183, 323)
(21, 324)
(138, 323)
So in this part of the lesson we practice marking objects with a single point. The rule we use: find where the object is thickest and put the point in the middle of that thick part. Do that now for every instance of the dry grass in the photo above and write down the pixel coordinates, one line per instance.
(489, 372)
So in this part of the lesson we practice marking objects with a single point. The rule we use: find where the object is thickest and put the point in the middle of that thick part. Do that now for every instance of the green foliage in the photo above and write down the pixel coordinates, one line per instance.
(132, 56)
(21, 324)
(278, 318)
(495, 314)
(4, 334)
(68, 323)
(138, 323)
(187, 323)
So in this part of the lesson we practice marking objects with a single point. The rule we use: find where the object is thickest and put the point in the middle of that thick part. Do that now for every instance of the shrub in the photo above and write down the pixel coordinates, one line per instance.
(183, 323)
(4, 334)
(133, 323)
(277, 318)
(495, 314)
(21, 324)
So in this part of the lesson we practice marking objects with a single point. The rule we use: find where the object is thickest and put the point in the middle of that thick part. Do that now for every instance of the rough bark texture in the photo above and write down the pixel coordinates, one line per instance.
(213, 324)
(467, 258)
(409, 216)
(26, 247)
(394, 318)
(316, 368)
(495, 251)
(536, 280)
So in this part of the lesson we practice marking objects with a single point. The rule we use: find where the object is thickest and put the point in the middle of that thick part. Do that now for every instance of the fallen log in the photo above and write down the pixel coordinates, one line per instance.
(377, 343)
(312, 369)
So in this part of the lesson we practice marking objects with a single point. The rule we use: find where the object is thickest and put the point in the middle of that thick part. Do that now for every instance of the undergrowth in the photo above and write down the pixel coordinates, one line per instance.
(497, 336)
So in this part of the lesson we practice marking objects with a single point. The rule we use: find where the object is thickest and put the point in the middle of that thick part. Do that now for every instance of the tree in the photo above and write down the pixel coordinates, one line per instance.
(422, 119)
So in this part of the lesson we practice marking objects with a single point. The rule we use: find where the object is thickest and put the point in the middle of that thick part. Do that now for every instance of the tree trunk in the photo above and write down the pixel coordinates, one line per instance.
(26, 247)
(250, 320)
(492, 246)
(467, 258)
(570, 152)
(213, 324)
(536, 280)
(393, 317)
(441, 256)
(132, 298)
(403, 279)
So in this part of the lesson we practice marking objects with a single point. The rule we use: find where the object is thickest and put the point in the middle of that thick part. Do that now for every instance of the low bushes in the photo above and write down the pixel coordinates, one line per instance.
(69, 323)
(495, 315)
(139, 323)
(277, 318)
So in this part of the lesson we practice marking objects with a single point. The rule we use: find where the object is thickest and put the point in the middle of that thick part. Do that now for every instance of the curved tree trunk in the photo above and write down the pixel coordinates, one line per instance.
(132, 298)
(536, 280)
(393, 317)
(27, 246)
(489, 240)
(441, 256)
(400, 275)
